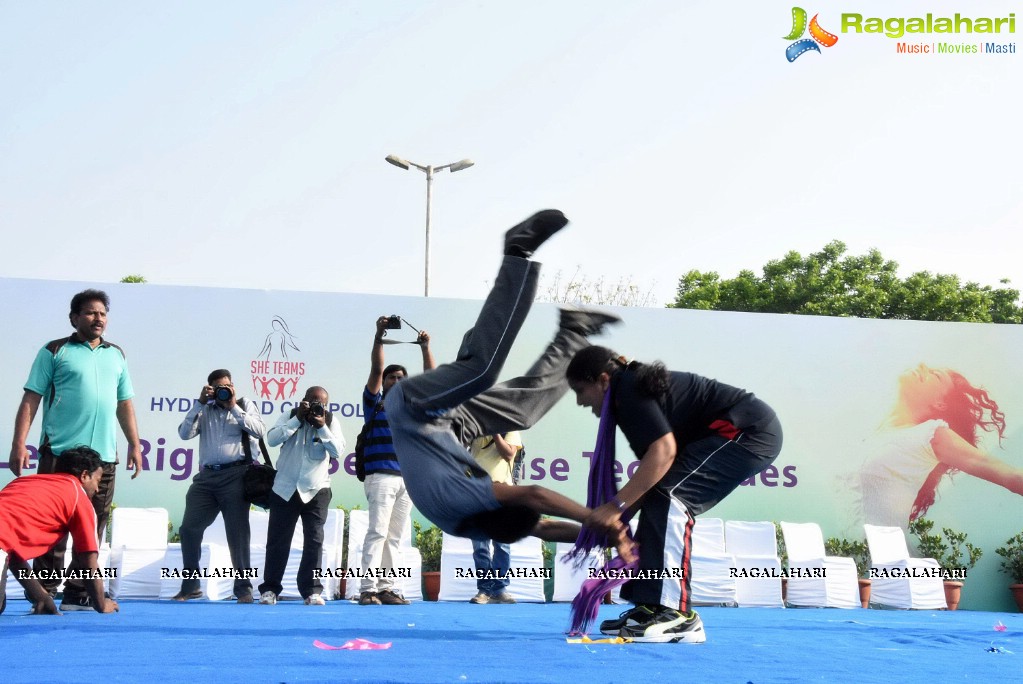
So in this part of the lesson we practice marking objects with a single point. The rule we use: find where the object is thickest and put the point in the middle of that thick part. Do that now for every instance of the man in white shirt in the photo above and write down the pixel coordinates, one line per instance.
(309, 437)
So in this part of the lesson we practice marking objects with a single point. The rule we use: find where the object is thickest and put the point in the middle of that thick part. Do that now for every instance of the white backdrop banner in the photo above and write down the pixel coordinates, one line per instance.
(834, 383)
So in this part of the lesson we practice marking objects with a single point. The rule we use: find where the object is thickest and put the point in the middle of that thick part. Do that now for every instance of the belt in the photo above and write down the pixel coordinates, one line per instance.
(224, 466)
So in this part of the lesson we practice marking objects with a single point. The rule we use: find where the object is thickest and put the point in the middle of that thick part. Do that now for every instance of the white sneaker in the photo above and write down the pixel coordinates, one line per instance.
(268, 598)
(314, 600)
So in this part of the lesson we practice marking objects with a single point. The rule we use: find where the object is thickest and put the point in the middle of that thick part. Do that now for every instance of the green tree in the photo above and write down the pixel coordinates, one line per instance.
(832, 283)
(135, 278)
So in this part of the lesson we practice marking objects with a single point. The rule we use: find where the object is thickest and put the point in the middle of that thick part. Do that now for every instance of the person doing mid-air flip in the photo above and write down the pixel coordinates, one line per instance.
(435, 416)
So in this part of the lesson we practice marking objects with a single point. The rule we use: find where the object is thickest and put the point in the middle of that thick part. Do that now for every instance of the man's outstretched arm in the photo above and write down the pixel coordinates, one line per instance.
(549, 502)
(557, 530)
(375, 382)
(429, 363)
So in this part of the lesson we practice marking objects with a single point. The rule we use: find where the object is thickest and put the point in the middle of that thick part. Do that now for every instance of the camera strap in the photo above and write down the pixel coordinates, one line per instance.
(415, 341)
(247, 449)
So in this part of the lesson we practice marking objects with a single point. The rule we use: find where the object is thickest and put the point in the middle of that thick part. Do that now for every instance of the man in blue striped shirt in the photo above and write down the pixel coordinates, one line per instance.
(389, 503)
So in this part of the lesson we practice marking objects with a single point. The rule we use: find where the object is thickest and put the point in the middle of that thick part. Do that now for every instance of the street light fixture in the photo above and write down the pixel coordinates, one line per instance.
(429, 171)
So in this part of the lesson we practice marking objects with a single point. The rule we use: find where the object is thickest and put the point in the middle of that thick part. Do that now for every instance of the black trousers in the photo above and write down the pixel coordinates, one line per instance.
(213, 492)
(284, 516)
(704, 473)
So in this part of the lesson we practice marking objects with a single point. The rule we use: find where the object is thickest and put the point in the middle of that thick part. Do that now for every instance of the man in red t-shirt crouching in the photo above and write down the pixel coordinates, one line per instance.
(37, 511)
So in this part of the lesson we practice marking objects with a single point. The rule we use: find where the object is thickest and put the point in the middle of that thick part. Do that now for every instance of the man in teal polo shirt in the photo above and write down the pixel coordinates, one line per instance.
(83, 384)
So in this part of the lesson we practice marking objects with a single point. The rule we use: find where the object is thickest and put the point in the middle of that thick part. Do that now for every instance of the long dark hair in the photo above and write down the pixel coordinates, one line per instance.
(590, 362)
(967, 409)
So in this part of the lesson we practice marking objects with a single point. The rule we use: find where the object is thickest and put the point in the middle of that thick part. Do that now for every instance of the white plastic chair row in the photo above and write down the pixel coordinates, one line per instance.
(736, 563)
(140, 554)
(826, 581)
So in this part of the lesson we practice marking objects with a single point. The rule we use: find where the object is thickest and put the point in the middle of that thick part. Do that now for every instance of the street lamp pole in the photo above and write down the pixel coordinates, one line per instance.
(429, 171)
(429, 201)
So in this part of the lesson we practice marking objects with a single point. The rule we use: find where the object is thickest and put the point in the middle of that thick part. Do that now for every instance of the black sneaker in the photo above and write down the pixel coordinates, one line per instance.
(663, 625)
(71, 603)
(613, 627)
(586, 322)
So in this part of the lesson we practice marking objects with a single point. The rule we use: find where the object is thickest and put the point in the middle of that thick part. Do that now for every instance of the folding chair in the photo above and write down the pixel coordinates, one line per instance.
(411, 562)
(890, 567)
(570, 575)
(815, 579)
(170, 586)
(758, 568)
(711, 582)
(358, 524)
(137, 550)
(219, 558)
(456, 559)
(333, 543)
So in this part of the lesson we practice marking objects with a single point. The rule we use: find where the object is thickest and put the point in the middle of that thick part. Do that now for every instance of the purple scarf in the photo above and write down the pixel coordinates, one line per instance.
(601, 488)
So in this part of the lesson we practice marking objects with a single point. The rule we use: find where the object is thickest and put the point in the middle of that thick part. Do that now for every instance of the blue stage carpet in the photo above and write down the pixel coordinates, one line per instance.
(161, 641)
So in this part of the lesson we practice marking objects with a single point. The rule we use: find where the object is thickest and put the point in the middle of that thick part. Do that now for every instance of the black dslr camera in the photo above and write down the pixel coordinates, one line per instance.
(222, 393)
(393, 323)
(316, 409)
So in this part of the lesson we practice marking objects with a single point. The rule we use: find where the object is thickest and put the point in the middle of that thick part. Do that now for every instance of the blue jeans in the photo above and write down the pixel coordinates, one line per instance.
(496, 564)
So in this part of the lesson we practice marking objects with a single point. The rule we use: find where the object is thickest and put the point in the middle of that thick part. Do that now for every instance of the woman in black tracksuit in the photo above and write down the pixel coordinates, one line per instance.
(697, 439)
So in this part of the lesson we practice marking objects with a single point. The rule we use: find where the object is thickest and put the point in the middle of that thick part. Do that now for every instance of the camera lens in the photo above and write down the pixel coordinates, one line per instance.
(223, 394)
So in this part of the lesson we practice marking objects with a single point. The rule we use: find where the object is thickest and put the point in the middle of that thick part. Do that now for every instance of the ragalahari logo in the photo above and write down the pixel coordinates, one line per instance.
(275, 374)
(817, 35)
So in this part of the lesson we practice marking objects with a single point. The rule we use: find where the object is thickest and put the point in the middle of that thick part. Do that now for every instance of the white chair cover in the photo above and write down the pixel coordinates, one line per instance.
(219, 558)
(567, 577)
(755, 548)
(137, 549)
(817, 580)
(170, 586)
(711, 582)
(411, 587)
(889, 555)
(358, 524)
(456, 559)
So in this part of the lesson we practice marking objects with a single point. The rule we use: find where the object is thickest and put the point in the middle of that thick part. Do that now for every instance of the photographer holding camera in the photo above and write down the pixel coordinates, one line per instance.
(309, 437)
(389, 503)
(229, 430)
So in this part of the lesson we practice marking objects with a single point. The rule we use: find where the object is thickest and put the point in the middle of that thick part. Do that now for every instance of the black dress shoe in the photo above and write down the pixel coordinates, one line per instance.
(523, 239)
(187, 596)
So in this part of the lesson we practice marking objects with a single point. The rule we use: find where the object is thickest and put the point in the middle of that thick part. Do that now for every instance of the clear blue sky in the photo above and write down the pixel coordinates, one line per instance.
(243, 143)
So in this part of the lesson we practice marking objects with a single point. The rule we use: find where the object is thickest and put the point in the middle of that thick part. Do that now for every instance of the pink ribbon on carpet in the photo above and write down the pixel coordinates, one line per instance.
(353, 645)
